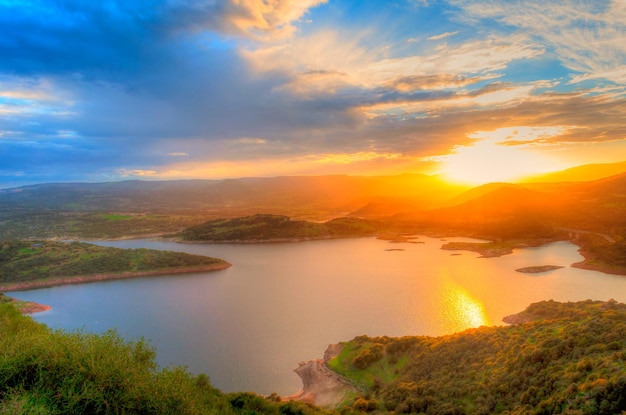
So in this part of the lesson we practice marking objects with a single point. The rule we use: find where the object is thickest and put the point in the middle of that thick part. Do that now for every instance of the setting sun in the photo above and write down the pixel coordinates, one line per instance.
(501, 155)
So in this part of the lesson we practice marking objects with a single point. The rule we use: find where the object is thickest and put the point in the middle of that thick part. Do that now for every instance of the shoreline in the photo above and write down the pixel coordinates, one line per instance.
(84, 279)
(264, 241)
(604, 268)
(24, 307)
(30, 307)
(321, 386)
(494, 252)
(485, 252)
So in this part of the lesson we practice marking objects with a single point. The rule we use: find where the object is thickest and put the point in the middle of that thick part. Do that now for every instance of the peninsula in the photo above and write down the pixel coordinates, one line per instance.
(554, 358)
(24, 307)
(28, 265)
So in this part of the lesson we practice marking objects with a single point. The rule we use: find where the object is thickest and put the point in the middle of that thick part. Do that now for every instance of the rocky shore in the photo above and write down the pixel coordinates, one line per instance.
(320, 385)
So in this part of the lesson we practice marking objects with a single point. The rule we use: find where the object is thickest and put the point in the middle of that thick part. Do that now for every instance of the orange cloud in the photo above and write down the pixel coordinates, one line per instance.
(267, 19)
(436, 81)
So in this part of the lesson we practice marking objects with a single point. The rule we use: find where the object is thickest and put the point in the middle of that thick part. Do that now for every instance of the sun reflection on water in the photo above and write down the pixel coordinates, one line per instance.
(463, 310)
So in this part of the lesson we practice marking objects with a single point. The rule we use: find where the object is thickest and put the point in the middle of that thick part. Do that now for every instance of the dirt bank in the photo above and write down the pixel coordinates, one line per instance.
(24, 307)
(31, 285)
(320, 385)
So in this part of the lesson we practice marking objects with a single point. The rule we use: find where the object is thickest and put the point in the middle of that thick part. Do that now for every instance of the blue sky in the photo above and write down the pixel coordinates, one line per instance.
(174, 89)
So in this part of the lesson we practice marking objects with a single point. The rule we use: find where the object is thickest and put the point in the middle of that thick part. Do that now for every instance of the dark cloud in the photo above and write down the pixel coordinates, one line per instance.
(101, 40)
(134, 75)
(114, 39)
(141, 54)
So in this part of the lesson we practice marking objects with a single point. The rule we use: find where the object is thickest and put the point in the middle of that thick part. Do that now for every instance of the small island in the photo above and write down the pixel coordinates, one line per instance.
(399, 238)
(538, 268)
(495, 249)
(485, 249)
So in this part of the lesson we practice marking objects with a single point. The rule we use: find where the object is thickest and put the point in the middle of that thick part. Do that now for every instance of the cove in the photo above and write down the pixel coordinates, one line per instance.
(248, 326)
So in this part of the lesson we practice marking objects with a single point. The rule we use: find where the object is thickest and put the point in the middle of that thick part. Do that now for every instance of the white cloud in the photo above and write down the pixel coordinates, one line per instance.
(473, 57)
(443, 35)
(327, 50)
(342, 61)
(22, 97)
(587, 37)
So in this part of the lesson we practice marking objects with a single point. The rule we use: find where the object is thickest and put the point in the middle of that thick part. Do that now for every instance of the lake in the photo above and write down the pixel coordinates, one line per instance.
(249, 326)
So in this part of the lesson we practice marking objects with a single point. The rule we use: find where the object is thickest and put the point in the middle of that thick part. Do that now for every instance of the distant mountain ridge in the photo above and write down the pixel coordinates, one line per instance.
(320, 197)
(504, 211)
(587, 172)
(405, 203)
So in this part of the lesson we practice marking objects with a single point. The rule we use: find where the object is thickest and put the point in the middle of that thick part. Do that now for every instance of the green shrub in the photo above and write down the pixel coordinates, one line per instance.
(53, 372)
(45, 371)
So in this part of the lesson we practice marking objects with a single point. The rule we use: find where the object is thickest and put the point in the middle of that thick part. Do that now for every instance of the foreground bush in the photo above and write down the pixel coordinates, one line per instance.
(52, 372)
(567, 358)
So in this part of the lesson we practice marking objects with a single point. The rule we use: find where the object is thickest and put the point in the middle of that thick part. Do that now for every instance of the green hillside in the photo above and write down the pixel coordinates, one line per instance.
(28, 261)
(47, 372)
(567, 359)
(276, 227)
(563, 358)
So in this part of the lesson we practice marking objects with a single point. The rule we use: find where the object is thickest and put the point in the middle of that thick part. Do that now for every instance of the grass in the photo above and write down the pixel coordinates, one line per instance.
(114, 217)
(28, 251)
(44, 371)
(21, 306)
(384, 370)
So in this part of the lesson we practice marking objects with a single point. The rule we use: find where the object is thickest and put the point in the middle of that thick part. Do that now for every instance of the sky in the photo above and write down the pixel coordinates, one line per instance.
(479, 91)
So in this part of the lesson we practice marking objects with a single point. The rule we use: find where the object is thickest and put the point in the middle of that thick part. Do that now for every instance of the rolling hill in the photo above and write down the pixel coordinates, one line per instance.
(306, 197)
(587, 172)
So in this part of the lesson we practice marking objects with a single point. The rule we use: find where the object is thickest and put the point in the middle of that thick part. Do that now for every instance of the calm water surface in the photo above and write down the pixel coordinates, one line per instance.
(247, 327)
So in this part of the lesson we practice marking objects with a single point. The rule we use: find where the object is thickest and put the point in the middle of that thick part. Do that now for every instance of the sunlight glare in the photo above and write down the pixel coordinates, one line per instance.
(464, 310)
(502, 155)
